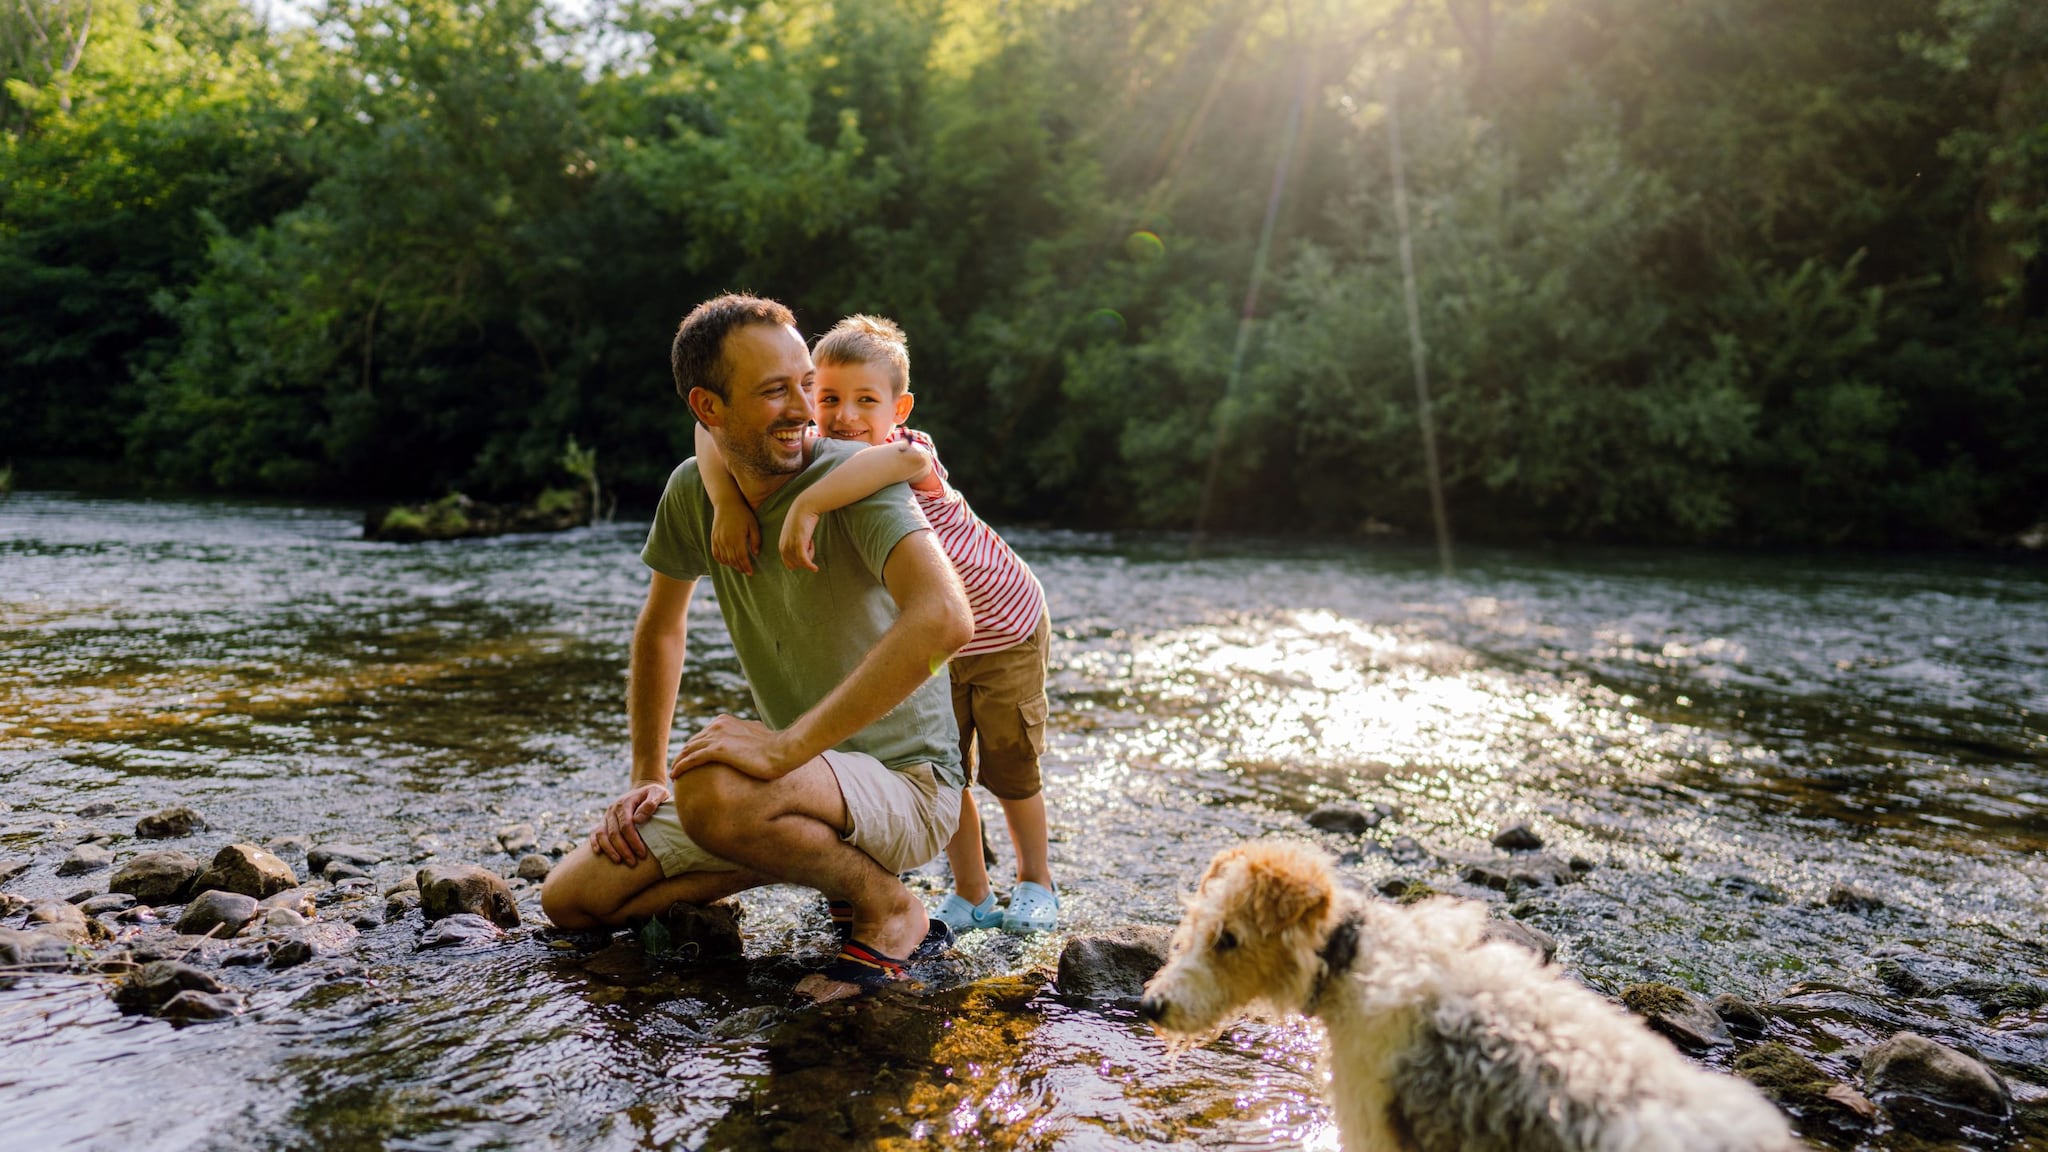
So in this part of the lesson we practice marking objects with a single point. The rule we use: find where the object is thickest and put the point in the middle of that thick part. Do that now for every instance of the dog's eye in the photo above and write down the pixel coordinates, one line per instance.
(1225, 941)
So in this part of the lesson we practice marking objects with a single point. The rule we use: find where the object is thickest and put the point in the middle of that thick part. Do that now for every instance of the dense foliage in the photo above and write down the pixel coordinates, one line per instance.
(1730, 271)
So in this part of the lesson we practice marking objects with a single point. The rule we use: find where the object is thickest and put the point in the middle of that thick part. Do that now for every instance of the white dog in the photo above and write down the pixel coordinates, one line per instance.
(1439, 1041)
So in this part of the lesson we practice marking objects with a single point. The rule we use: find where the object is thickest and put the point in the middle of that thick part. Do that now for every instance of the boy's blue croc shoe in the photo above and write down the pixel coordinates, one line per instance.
(956, 913)
(1033, 908)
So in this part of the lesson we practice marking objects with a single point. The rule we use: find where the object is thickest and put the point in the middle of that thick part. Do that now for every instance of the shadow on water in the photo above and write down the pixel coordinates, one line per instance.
(1723, 740)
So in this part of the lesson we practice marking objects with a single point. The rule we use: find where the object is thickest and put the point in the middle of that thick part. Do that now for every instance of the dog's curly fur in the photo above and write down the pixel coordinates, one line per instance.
(1438, 1040)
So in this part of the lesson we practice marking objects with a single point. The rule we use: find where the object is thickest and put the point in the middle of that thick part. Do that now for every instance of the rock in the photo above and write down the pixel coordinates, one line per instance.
(139, 914)
(197, 1007)
(1407, 850)
(299, 900)
(534, 866)
(90, 835)
(291, 953)
(1678, 1014)
(65, 921)
(248, 870)
(98, 808)
(85, 858)
(291, 844)
(218, 913)
(694, 931)
(1579, 865)
(157, 877)
(11, 904)
(1536, 940)
(1848, 898)
(364, 921)
(517, 839)
(283, 918)
(249, 957)
(82, 895)
(398, 904)
(1113, 965)
(1743, 1018)
(1835, 1113)
(153, 985)
(318, 858)
(1517, 838)
(1343, 820)
(9, 869)
(561, 848)
(340, 870)
(20, 949)
(454, 889)
(460, 930)
(169, 824)
(1519, 873)
(107, 902)
(1933, 1090)
(1402, 891)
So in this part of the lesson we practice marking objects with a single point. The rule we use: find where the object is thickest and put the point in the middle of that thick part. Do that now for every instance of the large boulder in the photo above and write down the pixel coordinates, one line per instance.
(454, 889)
(1113, 965)
(1935, 1091)
(169, 824)
(249, 870)
(157, 877)
(217, 913)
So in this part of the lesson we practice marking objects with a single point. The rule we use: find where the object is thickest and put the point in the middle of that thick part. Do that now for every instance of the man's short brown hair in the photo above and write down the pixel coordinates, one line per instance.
(697, 357)
(867, 340)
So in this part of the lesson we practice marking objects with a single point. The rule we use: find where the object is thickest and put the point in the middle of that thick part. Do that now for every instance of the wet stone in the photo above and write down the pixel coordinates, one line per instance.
(98, 808)
(250, 957)
(1407, 850)
(86, 858)
(517, 839)
(20, 949)
(452, 889)
(290, 844)
(248, 870)
(283, 918)
(169, 824)
(460, 930)
(82, 895)
(695, 931)
(218, 913)
(1934, 1091)
(1834, 1113)
(534, 866)
(1114, 965)
(1343, 819)
(337, 871)
(154, 984)
(9, 869)
(299, 900)
(157, 877)
(1518, 837)
(1683, 1017)
(1744, 1018)
(1580, 865)
(65, 921)
(197, 1007)
(624, 963)
(139, 914)
(317, 859)
(290, 953)
(1848, 898)
(1517, 874)
(399, 904)
(1536, 940)
(11, 904)
(107, 902)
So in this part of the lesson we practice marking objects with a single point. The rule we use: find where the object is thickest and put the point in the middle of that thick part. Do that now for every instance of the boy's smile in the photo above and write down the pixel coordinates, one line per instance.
(858, 402)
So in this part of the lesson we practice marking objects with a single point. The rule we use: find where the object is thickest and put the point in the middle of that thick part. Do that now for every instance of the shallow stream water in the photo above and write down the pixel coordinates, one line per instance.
(1725, 739)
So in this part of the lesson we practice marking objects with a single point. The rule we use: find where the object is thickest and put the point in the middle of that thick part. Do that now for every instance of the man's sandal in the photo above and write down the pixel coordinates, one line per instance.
(841, 912)
(1033, 908)
(956, 913)
(868, 968)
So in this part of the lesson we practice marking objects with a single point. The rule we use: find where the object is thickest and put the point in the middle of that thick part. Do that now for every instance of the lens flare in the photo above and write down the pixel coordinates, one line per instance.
(1107, 321)
(1144, 247)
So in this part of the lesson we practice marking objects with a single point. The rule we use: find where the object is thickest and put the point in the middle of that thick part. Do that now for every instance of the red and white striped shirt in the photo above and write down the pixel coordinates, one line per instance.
(1001, 590)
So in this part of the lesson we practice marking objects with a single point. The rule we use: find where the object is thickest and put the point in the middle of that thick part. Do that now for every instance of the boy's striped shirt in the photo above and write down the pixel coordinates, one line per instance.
(1005, 596)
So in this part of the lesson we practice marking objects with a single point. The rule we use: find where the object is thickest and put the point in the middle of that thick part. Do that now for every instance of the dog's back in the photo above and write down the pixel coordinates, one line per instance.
(1497, 1052)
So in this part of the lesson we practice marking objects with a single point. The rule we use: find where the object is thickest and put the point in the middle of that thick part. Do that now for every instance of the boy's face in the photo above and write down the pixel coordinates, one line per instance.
(857, 402)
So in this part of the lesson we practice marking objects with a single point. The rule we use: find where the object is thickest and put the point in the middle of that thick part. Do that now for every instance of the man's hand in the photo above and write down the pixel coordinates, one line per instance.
(797, 529)
(735, 538)
(746, 745)
(617, 836)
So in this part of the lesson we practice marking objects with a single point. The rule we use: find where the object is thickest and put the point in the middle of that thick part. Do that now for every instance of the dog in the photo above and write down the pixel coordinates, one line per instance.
(1437, 1040)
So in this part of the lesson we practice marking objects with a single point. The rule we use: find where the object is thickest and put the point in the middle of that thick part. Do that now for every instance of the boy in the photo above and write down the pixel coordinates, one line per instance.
(863, 393)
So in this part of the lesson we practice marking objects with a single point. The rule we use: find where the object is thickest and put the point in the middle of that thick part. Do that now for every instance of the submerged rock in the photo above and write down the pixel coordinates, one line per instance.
(19, 949)
(1343, 819)
(1516, 874)
(460, 930)
(1742, 1017)
(1835, 1113)
(455, 889)
(85, 858)
(217, 913)
(1849, 898)
(1113, 965)
(1678, 1014)
(9, 869)
(318, 858)
(1935, 1091)
(249, 870)
(157, 877)
(192, 1007)
(155, 984)
(169, 824)
(1517, 837)
(694, 931)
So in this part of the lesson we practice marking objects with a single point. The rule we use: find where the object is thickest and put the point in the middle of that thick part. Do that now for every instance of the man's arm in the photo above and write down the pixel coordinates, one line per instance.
(659, 642)
(932, 622)
(867, 472)
(735, 533)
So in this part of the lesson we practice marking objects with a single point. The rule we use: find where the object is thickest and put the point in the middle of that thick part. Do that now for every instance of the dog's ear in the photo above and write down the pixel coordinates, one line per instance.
(1220, 864)
(1282, 894)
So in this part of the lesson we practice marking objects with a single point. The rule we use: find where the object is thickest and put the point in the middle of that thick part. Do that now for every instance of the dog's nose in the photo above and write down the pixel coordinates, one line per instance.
(1152, 1008)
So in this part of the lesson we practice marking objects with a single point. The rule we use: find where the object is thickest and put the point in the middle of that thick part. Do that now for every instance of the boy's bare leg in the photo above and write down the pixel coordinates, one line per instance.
(588, 891)
(1028, 834)
(963, 852)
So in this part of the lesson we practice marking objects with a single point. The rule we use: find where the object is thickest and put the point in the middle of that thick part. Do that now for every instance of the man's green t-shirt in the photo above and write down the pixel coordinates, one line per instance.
(800, 633)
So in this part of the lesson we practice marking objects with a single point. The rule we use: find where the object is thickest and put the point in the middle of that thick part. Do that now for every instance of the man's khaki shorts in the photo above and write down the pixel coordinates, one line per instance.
(999, 702)
(901, 818)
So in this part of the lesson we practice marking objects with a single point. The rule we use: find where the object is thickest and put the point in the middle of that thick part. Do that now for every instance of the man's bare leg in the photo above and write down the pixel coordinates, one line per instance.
(588, 891)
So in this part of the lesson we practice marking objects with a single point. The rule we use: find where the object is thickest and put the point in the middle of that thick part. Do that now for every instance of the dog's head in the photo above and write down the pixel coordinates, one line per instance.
(1251, 936)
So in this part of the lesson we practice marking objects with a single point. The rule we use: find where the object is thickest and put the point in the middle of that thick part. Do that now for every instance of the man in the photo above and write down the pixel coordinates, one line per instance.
(854, 776)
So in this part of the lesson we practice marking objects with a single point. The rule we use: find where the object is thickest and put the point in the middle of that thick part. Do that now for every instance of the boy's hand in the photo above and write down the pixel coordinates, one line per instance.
(797, 529)
(735, 539)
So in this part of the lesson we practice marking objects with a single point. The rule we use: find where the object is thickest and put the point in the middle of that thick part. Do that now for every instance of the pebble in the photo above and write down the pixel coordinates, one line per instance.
(534, 866)
(169, 824)
(338, 870)
(283, 918)
(517, 839)
(98, 808)
(290, 844)
(1536, 940)
(65, 921)
(195, 1007)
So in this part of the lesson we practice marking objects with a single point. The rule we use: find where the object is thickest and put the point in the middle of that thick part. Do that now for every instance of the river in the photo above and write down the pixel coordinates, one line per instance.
(1725, 739)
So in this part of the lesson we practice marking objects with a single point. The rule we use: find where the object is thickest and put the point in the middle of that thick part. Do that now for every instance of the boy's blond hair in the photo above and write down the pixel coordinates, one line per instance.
(863, 339)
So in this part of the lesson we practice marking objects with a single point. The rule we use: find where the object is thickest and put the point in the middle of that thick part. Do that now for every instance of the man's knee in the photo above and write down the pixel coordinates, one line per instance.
(716, 805)
(571, 897)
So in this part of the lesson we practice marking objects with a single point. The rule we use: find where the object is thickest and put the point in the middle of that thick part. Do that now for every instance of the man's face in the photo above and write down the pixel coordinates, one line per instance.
(858, 402)
(768, 379)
